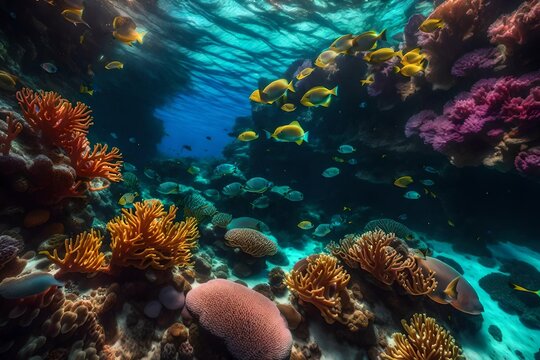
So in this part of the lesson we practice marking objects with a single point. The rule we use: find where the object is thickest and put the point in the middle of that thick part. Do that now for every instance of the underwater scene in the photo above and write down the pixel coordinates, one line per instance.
(270, 179)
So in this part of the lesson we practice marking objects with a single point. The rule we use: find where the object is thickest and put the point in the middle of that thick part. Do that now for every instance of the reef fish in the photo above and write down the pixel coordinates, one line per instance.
(27, 285)
(114, 65)
(151, 174)
(49, 67)
(127, 198)
(129, 166)
(275, 90)
(352, 161)
(288, 107)
(257, 185)
(248, 222)
(368, 40)
(318, 96)
(74, 16)
(225, 169)
(304, 73)
(403, 181)
(305, 225)
(322, 230)
(7, 81)
(233, 189)
(262, 202)
(212, 194)
(368, 81)
(168, 187)
(281, 190)
(431, 169)
(294, 195)
(193, 170)
(346, 149)
(326, 58)
(430, 25)
(330, 172)
(412, 57)
(410, 70)
(427, 182)
(248, 136)
(343, 43)
(292, 132)
(521, 288)
(84, 89)
(125, 31)
(412, 195)
(381, 55)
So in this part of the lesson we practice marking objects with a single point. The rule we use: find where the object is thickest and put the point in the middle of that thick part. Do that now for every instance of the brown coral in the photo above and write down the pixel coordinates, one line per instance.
(251, 242)
(425, 340)
(82, 255)
(14, 128)
(149, 237)
(415, 281)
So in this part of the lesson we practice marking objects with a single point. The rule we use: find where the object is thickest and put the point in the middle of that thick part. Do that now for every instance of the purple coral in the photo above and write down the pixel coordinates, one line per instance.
(9, 249)
(528, 162)
(478, 61)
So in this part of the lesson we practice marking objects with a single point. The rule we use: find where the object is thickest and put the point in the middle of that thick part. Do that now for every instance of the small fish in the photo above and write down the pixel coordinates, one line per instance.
(403, 217)
(281, 190)
(326, 58)
(212, 194)
(49, 67)
(381, 55)
(249, 135)
(330, 172)
(129, 167)
(168, 187)
(209, 138)
(346, 149)
(294, 195)
(431, 169)
(27, 285)
(74, 16)
(410, 70)
(125, 31)
(7, 81)
(127, 198)
(318, 96)
(521, 288)
(413, 57)
(114, 135)
(451, 289)
(262, 202)
(194, 170)
(233, 189)
(338, 159)
(322, 230)
(451, 223)
(84, 89)
(256, 97)
(292, 132)
(305, 225)
(114, 65)
(151, 174)
(257, 185)
(337, 220)
(275, 90)
(225, 169)
(427, 182)
(352, 161)
(430, 25)
(304, 73)
(368, 40)
(403, 181)
(288, 107)
(132, 140)
(412, 195)
(346, 208)
(343, 43)
(368, 81)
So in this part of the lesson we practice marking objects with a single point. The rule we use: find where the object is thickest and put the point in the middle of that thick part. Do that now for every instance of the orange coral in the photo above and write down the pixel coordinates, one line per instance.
(82, 255)
(14, 128)
(415, 281)
(149, 237)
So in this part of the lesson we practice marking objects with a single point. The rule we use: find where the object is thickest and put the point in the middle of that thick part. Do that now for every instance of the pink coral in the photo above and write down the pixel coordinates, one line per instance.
(478, 61)
(528, 162)
(249, 323)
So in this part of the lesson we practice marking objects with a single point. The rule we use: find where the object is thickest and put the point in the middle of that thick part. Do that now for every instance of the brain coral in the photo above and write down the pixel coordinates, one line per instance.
(251, 242)
(250, 324)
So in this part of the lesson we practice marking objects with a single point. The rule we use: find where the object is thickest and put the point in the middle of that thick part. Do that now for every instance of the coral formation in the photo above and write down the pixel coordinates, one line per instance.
(251, 242)
(479, 62)
(13, 129)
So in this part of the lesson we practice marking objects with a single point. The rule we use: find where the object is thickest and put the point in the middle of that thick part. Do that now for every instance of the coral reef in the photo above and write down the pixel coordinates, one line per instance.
(483, 61)
(13, 129)
(251, 242)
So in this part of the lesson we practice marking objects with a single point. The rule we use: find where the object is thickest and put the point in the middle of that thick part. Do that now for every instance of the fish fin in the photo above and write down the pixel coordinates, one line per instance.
(382, 35)
(141, 36)
(396, 69)
(334, 91)
(268, 134)
(327, 102)
(451, 289)
(416, 50)
(91, 92)
(399, 54)
(306, 136)
(299, 142)
(290, 87)
(296, 123)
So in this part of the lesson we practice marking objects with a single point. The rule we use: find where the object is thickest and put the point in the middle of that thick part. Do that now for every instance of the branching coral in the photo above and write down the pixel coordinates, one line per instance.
(14, 128)
(415, 281)
(149, 237)
(425, 340)
(82, 255)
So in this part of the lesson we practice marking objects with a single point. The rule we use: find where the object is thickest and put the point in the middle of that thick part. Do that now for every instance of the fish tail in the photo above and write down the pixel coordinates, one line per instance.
(334, 91)
(268, 134)
(306, 136)
(91, 92)
(141, 36)
(396, 69)
(290, 86)
(382, 35)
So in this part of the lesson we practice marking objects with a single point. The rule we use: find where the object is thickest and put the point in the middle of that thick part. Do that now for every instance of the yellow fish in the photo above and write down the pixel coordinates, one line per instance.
(304, 73)
(256, 97)
(288, 107)
(7, 81)
(292, 132)
(430, 25)
(521, 288)
(248, 136)
(275, 90)
(318, 96)
(123, 22)
(114, 65)
(403, 181)
(343, 43)
(326, 58)
(409, 70)
(125, 30)
(368, 40)
(338, 159)
(127, 198)
(83, 89)
(74, 16)
(381, 55)
(412, 57)
(367, 81)
(305, 225)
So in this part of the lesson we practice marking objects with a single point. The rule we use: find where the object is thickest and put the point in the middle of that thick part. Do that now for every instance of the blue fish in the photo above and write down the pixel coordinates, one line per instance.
(412, 195)
(28, 285)
(427, 182)
(431, 169)
(402, 217)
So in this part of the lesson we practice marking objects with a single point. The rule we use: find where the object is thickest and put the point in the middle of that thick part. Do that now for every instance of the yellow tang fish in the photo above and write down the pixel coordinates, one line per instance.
(430, 25)
(127, 198)
(412, 57)
(318, 96)
(275, 90)
(305, 225)
(125, 31)
(7, 81)
(304, 73)
(521, 288)
(74, 16)
(368, 81)
(409, 70)
(114, 65)
(248, 136)
(343, 43)
(326, 58)
(381, 55)
(403, 181)
(292, 132)
(83, 89)
(288, 107)
(256, 97)
(368, 40)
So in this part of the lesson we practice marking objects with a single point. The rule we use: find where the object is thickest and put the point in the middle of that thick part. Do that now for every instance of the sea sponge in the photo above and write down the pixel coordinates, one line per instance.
(250, 324)
(425, 340)
(148, 236)
(251, 242)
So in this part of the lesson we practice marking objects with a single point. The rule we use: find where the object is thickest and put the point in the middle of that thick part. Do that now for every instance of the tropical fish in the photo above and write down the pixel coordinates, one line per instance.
(193, 170)
(403, 181)
(151, 174)
(412, 57)
(412, 195)
(7, 81)
(304, 73)
(294, 195)
(84, 89)
(318, 96)
(305, 225)
(343, 43)
(431, 169)
(381, 55)
(352, 161)
(409, 70)
(288, 107)
(225, 169)
(233, 189)
(125, 31)
(326, 58)
(187, 147)
(430, 25)
(114, 65)
(368, 40)
(257, 185)
(281, 190)
(322, 230)
(330, 172)
(368, 81)
(249, 135)
(74, 16)
(27, 285)
(338, 159)
(427, 182)
(49, 67)
(129, 166)
(337, 220)
(168, 187)
(451, 289)
(262, 202)
(127, 198)
(248, 222)
(275, 90)
(521, 288)
(132, 140)
(212, 194)
(292, 132)
(256, 97)
(346, 149)
(114, 135)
